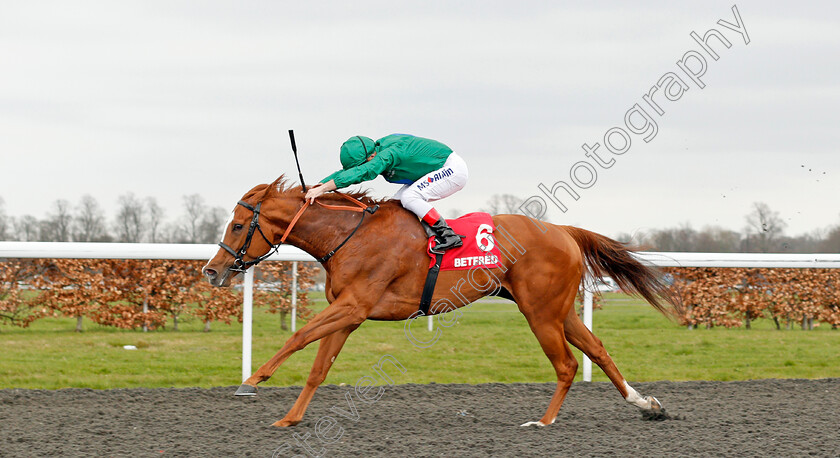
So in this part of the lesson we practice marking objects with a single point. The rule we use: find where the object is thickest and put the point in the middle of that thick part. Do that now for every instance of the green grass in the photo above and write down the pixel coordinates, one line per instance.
(491, 342)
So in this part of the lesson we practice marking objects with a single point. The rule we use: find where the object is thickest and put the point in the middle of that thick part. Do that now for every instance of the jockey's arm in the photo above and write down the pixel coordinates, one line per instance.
(319, 190)
(359, 174)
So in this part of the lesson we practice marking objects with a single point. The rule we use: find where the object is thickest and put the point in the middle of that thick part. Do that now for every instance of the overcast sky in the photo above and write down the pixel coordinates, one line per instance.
(170, 98)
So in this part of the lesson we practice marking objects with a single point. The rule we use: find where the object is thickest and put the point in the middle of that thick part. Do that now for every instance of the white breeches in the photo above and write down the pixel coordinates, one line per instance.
(436, 185)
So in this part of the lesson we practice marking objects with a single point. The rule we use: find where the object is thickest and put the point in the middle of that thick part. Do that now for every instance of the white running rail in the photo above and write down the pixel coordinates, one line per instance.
(68, 250)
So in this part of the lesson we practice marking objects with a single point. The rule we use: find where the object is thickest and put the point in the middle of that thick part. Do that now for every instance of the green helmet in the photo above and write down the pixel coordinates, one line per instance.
(355, 151)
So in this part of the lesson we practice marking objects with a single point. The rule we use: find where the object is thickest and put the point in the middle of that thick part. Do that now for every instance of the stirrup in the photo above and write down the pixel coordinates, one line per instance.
(455, 244)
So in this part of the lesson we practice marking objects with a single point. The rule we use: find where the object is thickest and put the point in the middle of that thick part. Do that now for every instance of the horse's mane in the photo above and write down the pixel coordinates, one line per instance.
(283, 187)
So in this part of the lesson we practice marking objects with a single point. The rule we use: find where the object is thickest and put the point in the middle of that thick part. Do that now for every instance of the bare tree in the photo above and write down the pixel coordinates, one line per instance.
(713, 239)
(46, 231)
(5, 232)
(193, 211)
(764, 228)
(211, 225)
(60, 222)
(130, 224)
(831, 241)
(503, 203)
(681, 238)
(805, 243)
(155, 213)
(90, 221)
(170, 233)
(636, 240)
(27, 228)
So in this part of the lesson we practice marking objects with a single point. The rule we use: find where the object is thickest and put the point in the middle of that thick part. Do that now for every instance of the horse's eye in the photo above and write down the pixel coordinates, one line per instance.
(237, 227)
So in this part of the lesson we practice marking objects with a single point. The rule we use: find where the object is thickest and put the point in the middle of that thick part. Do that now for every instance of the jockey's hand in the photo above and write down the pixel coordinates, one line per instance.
(319, 189)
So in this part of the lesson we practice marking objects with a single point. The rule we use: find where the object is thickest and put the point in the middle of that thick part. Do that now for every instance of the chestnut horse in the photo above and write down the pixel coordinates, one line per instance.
(380, 270)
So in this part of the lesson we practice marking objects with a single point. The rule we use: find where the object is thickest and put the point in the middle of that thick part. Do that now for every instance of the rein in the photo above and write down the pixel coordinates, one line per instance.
(241, 265)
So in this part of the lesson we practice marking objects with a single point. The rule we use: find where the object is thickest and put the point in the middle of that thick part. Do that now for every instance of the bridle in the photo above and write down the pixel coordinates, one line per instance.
(241, 265)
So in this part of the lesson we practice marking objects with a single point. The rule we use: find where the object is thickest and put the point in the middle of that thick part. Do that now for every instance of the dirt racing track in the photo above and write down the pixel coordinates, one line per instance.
(754, 418)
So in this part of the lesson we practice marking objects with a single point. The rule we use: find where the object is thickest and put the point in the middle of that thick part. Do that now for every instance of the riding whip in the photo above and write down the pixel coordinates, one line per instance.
(294, 150)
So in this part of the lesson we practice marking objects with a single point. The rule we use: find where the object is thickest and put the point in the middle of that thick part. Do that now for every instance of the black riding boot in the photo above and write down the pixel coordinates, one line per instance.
(446, 237)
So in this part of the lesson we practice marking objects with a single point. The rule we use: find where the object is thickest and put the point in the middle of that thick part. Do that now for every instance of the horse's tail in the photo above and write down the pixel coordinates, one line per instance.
(605, 256)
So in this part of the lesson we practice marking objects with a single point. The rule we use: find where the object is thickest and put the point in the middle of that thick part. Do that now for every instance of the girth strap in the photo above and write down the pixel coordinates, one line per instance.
(429, 287)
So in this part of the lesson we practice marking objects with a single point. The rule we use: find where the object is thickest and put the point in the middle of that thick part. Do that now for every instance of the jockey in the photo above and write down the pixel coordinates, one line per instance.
(427, 169)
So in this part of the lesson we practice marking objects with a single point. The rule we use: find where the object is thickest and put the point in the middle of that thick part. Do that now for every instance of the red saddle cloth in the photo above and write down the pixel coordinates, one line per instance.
(479, 249)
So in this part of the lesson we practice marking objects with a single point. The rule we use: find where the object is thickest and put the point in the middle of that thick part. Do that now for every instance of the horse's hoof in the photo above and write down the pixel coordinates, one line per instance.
(532, 423)
(656, 411)
(536, 423)
(246, 390)
(655, 405)
(284, 423)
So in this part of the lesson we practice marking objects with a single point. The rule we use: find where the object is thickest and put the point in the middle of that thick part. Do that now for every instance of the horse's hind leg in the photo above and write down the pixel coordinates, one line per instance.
(328, 349)
(582, 338)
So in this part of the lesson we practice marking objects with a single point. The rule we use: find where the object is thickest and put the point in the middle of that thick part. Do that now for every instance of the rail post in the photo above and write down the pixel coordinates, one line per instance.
(587, 321)
(247, 307)
(294, 295)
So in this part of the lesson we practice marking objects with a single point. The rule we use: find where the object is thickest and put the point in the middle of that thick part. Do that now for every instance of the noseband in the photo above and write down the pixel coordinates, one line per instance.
(241, 265)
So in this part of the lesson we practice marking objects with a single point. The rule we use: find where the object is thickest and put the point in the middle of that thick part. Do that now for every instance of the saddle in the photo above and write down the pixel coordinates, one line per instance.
(479, 251)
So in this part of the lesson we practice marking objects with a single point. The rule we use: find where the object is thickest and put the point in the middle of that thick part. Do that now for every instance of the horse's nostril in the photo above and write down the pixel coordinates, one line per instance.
(210, 272)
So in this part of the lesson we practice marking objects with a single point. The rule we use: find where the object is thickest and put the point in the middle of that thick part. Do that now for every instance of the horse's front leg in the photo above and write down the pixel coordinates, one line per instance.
(328, 349)
(339, 315)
